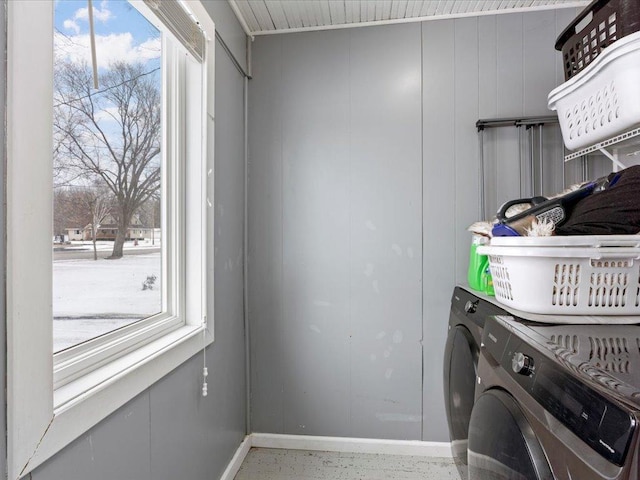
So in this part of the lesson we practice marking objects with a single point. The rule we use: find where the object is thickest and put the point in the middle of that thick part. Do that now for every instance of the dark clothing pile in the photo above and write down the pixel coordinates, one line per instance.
(613, 211)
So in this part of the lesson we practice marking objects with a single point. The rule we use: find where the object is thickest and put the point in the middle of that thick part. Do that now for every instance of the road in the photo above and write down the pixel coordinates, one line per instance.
(60, 253)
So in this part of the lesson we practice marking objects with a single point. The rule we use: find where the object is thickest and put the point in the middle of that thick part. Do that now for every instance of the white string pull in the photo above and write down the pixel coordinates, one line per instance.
(205, 374)
(205, 371)
(204, 389)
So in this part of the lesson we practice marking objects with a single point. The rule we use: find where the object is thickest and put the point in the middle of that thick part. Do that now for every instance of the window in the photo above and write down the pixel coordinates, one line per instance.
(53, 398)
(109, 167)
(108, 125)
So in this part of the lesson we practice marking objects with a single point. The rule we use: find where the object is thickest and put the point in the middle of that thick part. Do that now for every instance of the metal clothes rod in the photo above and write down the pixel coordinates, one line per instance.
(530, 161)
(515, 122)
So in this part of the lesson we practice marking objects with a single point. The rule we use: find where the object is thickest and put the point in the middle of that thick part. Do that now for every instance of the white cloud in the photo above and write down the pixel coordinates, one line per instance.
(72, 25)
(100, 14)
(109, 49)
(109, 114)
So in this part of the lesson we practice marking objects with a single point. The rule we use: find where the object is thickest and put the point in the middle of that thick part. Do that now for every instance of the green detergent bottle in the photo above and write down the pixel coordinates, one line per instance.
(479, 275)
(487, 281)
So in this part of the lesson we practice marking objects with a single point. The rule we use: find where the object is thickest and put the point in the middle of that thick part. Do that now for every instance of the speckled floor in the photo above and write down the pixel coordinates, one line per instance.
(278, 464)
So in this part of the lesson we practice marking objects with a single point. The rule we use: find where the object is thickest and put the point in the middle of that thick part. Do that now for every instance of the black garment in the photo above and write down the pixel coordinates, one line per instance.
(613, 211)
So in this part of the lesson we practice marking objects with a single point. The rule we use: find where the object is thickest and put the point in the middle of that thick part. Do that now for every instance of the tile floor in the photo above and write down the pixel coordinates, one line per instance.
(278, 464)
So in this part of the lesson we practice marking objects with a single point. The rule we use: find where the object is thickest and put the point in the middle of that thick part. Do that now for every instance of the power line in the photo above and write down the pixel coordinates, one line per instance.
(68, 102)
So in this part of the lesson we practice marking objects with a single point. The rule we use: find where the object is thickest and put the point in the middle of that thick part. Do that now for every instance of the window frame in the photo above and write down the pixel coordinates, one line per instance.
(73, 362)
(43, 415)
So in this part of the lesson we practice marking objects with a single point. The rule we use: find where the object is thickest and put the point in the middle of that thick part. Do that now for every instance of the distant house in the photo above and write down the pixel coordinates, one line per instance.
(75, 233)
(109, 229)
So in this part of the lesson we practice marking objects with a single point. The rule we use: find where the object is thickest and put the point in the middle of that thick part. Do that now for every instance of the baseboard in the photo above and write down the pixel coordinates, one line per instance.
(352, 445)
(236, 462)
(333, 444)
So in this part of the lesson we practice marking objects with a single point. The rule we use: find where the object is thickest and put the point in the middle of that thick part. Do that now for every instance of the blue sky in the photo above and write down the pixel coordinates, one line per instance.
(122, 33)
(113, 16)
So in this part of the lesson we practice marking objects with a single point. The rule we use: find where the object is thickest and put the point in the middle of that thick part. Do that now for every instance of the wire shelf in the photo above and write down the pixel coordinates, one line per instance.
(623, 140)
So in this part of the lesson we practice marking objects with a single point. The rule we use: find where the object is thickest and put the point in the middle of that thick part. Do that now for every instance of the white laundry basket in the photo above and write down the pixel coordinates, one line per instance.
(603, 100)
(566, 280)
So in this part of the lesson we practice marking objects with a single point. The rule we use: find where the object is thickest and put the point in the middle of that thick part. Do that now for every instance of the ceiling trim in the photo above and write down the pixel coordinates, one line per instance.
(240, 17)
(557, 6)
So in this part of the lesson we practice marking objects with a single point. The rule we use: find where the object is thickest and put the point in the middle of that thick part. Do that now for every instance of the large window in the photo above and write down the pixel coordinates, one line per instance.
(107, 171)
(109, 167)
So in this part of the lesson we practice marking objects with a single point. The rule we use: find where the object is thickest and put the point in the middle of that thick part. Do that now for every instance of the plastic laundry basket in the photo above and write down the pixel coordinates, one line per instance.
(591, 241)
(604, 99)
(607, 22)
(566, 280)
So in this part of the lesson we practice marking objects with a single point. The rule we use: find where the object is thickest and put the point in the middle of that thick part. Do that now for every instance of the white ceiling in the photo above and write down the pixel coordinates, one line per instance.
(262, 17)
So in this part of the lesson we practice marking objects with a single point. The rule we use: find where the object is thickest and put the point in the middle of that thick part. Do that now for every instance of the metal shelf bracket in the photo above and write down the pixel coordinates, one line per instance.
(611, 148)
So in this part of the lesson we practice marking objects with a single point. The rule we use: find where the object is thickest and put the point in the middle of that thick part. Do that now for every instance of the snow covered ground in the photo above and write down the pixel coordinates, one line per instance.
(92, 297)
(106, 245)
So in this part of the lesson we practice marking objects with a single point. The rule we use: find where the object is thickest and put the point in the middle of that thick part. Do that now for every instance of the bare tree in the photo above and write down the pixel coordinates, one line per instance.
(112, 134)
(97, 201)
(150, 215)
(64, 212)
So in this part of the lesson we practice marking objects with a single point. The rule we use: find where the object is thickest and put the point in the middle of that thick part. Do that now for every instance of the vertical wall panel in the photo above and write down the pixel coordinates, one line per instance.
(268, 330)
(386, 231)
(510, 87)
(466, 113)
(315, 196)
(510, 55)
(3, 342)
(488, 105)
(439, 222)
(554, 175)
(538, 64)
(488, 66)
(539, 80)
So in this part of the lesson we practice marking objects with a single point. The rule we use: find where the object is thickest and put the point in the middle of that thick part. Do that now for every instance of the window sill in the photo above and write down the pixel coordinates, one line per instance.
(82, 403)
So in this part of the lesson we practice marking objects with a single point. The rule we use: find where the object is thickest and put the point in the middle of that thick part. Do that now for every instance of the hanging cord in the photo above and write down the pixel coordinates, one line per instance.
(205, 371)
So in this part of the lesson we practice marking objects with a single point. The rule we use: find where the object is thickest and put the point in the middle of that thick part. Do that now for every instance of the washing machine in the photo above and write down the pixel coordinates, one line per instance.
(466, 320)
(555, 402)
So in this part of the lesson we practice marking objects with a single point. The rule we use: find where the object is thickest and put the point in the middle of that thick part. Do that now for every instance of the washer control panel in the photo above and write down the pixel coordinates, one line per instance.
(600, 423)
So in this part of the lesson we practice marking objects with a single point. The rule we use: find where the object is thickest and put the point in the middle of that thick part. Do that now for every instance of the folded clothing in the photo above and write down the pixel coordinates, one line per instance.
(613, 211)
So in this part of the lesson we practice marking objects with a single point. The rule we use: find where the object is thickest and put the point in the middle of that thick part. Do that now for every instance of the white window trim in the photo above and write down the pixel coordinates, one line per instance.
(43, 419)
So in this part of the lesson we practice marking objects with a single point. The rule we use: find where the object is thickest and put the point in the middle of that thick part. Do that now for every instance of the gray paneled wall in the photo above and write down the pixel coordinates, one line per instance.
(335, 215)
(385, 232)
(315, 314)
(439, 210)
(3, 356)
(363, 176)
(170, 431)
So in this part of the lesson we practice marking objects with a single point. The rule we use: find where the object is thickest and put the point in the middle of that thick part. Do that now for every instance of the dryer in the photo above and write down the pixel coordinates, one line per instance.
(466, 321)
(556, 402)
